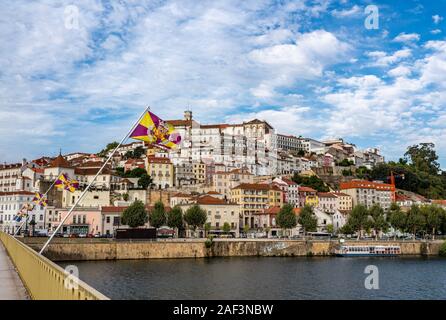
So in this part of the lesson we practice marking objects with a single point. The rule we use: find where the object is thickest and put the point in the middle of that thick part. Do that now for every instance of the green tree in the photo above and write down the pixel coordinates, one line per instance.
(330, 228)
(312, 182)
(416, 221)
(346, 229)
(109, 147)
(307, 219)
(207, 228)
(135, 215)
(195, 216)
(434, 218)
(136, 173)
(378, 222)
(397, 218)
(226, 227)
(125, 197)
(144, 181)
(286, 219)
(157, 216)
(423, 157)
(358, 219)
(175, 219)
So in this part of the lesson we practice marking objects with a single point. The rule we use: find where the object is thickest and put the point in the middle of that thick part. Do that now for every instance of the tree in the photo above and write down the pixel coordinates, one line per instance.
(175, 218)
(423, 157)
(330, 228)
(397, 218)
(195, 216)
(286, 219)
(378, 222)
(157, 217)
(109, 147)
(434, 218)
(415, 220)
(307, 219)
(346, 229)
(312, 182)
(135, 215)
(136, 173)
(246, 229)
(358, 219)
(125, 197)
(226, 227)
(144, 181)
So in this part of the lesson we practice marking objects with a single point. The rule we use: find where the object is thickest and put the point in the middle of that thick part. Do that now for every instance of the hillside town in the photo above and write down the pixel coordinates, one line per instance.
(240, 174)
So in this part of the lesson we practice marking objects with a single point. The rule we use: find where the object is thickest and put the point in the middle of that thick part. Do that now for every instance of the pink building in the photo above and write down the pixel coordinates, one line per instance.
(82, 221)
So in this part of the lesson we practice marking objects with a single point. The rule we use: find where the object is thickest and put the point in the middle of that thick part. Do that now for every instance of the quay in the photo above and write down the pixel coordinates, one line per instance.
(76, 249)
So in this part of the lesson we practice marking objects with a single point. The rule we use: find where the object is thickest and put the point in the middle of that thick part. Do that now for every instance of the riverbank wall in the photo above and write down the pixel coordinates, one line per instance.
(107, 249)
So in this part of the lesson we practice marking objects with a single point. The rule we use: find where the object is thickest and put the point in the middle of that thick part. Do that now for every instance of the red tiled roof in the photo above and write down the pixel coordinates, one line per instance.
(38, 170)
(439, 202)
(306, 189)
(325, 195)
(13, 193)
(59, 162)
(256, 186)
(340, 194)
(110, 209)
(364, 184)
(158, 160)
(289, 181)
(209, 200)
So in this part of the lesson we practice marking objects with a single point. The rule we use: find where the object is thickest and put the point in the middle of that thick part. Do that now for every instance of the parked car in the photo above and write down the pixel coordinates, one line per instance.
(82, 235)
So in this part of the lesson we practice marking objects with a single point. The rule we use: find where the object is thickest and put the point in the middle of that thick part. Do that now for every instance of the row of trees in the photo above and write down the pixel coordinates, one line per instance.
(287, 219)
(419, 220)
(136, 215)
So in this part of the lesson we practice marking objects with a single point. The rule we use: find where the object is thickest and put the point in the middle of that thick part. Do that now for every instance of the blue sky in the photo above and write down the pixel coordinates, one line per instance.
(77, 77)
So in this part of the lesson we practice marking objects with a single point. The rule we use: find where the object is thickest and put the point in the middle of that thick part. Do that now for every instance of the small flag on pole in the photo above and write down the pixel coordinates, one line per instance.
(64, 182)
(40, 199)
(157, 132)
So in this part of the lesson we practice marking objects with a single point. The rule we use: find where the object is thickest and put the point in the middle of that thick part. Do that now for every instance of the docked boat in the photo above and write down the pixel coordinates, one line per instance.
(368, 251)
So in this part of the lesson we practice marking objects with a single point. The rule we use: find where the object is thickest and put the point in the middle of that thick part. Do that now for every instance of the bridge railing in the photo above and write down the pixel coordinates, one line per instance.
(44, 279)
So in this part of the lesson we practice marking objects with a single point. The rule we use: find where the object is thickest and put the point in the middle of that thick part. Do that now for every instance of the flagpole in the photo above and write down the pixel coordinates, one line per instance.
(51, 186)
(91, 182)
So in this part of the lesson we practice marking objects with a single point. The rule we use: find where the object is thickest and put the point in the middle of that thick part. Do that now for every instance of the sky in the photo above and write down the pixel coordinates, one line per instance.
(77, 76)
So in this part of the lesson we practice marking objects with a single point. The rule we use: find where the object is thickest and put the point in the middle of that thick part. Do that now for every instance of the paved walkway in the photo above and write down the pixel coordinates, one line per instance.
(11, 287)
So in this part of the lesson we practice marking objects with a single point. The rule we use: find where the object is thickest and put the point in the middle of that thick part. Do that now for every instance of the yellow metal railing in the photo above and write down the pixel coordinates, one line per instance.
(44, 279)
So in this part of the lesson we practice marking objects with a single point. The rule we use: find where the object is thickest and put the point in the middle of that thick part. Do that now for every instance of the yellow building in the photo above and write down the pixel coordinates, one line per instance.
(344, 201)
(199, 169)
(160, 170)
(254, 198)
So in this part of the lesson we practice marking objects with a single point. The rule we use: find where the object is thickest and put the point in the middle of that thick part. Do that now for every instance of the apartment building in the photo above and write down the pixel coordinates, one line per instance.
(327, 202)
(344, 202)
(161, 171)
(218, 212)
(8, 176)
(223, 181)
(254, 198)
(369, 193)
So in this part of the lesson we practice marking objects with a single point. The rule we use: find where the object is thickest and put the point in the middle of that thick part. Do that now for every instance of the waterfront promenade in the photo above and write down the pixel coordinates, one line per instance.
(11, 287)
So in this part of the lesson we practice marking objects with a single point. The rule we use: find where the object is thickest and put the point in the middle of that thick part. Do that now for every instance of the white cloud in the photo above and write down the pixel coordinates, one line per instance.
(407, 37)
(437, 19)
(383, 59)
(436, 31)
(399, 71)
(355, 10)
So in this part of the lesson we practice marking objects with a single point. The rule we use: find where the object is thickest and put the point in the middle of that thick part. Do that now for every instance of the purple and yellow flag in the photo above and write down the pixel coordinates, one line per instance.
(40, 199)
(157, 132)
(64, 182)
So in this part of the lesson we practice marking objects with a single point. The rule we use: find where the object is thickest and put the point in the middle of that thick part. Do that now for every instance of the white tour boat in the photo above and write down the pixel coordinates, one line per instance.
(368, 251)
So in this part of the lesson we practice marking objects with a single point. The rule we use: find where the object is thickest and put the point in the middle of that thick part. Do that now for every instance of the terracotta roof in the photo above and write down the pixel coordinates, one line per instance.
(256, 186)
(10, 166)
(110, 209)
(209, 200)
(402, 197)
(439, 202)
(212, 192)
(325, 195)
(216, 126)
(182, 195)
(158, 160)
(306, 189)
(364, 184)
(59, 162)
(38, 170)
(289, 181)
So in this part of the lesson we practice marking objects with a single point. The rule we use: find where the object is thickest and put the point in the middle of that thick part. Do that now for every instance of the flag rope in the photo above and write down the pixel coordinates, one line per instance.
(91, 182)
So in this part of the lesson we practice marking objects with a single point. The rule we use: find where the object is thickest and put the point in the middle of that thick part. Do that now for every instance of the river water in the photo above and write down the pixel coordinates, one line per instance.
(266, 278)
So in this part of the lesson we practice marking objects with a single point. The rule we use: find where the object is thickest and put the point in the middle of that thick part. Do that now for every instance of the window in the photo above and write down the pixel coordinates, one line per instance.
(107, 219)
